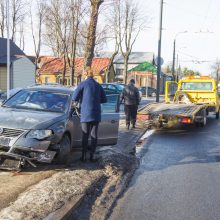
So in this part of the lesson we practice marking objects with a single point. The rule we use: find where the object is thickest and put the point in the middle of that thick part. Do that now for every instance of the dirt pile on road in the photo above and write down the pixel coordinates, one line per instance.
(98, 204)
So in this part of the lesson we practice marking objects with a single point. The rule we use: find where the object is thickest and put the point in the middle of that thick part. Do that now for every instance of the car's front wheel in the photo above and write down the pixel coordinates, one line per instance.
(153, 94)
(63, 150)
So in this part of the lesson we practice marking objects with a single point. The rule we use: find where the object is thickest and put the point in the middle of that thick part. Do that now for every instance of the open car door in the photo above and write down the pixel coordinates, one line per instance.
(170, 91)
(108, 128)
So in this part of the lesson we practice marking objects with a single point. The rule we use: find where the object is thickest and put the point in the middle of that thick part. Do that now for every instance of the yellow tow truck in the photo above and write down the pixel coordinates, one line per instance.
(189, 101)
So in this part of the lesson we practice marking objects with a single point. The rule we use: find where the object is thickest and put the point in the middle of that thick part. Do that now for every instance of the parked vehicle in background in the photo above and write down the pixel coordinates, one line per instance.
(149, 91)
(115, 88)
(112, 87)
(40, 123)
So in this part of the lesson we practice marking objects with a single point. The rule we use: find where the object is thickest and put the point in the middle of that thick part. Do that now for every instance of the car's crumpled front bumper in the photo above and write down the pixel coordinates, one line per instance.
(28, 149)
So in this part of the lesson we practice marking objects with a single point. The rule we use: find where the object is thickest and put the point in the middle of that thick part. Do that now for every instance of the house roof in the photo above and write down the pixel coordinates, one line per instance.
(144, 67)
(14, 49)
(54, 65)
(135, 58)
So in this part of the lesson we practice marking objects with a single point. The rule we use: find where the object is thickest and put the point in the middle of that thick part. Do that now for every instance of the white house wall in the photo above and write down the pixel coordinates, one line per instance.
(23, 73)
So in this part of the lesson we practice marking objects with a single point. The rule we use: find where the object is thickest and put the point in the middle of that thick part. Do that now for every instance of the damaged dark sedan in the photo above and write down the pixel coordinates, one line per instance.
(40, 123)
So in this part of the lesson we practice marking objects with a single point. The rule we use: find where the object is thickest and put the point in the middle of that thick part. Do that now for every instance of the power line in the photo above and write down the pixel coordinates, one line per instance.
(207, 13)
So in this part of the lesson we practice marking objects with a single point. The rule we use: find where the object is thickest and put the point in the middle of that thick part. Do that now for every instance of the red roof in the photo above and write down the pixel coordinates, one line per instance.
(54, 65)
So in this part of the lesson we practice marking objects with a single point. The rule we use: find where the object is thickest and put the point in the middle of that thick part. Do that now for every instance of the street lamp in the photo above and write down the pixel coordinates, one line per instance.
(174, 52)
(159, 52)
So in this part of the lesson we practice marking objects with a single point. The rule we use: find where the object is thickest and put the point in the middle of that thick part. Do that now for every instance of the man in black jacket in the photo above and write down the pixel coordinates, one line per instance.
(131, 97)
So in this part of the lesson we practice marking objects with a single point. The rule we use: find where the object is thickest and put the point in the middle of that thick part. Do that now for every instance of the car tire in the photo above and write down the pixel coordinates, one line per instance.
(153, 94)
(63, 151)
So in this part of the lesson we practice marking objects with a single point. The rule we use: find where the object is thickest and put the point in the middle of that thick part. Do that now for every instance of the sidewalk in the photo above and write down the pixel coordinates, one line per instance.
(126, 139)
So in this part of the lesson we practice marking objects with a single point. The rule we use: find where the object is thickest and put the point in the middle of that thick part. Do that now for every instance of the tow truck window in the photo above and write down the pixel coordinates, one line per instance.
(197, 86)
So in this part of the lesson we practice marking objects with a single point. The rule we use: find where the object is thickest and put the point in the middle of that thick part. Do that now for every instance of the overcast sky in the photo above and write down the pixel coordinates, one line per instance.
(195, 49)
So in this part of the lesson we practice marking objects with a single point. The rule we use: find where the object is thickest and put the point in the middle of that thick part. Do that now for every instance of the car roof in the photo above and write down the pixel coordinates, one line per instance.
(52, 88)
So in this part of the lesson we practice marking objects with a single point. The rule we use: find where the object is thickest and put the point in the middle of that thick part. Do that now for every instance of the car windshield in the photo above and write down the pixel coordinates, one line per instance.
(197, 86)
(39, 100)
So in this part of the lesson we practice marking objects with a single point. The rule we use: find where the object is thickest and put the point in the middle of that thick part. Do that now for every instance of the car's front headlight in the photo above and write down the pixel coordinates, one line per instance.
(39, 134)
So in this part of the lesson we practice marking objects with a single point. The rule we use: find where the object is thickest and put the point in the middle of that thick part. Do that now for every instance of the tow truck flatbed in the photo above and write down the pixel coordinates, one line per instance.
(193, 99)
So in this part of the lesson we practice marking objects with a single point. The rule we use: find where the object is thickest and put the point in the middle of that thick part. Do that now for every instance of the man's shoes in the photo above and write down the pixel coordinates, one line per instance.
(133, 126)
(128, 126)
(92, 159)
(83, 158)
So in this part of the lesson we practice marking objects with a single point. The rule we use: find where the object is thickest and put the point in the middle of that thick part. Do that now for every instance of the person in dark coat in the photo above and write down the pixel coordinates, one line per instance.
(90, 94)
(131, 97)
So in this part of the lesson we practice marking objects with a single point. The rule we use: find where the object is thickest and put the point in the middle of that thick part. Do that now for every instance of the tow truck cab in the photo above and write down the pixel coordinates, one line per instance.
(195, 89)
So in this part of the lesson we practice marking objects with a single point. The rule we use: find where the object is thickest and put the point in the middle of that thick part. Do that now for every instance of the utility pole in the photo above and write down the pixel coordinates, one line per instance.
(177, 63)
(174, 56)
(8, 50)
(159, 52)
(217, 72)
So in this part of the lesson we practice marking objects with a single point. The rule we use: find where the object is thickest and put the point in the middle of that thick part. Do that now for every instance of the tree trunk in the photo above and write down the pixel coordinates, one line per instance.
(64, 69)
(91, 36)
(125, 69)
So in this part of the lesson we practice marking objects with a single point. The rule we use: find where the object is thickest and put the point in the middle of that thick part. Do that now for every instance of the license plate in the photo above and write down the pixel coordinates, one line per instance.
(4, 141)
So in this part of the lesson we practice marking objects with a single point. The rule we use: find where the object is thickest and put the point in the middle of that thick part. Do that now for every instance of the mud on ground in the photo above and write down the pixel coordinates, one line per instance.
(101, 198)
(101, 183)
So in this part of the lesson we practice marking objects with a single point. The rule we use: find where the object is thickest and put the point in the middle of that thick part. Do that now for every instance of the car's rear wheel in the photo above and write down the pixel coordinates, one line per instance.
(64, 150)
(217, 115)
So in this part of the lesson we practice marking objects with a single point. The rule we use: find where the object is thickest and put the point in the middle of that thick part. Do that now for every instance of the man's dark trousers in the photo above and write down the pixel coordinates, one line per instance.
(131, 114)
(89, 128)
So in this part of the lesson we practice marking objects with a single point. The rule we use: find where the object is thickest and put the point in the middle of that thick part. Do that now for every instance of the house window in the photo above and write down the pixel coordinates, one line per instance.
(119, 72)
(46, 80)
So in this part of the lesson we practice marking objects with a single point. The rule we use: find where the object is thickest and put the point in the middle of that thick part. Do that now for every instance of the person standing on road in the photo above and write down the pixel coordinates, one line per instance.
(131, 97)
(90, 94)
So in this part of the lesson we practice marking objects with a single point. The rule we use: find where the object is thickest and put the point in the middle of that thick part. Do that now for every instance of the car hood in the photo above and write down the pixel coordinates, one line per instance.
(28, 119)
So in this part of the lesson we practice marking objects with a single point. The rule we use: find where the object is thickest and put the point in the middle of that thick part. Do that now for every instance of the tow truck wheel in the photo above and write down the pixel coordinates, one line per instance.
(64, 150)
(204, 120)
(217, 115)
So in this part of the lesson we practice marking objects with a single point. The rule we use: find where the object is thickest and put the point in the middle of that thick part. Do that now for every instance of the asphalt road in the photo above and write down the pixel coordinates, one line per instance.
(178, 179)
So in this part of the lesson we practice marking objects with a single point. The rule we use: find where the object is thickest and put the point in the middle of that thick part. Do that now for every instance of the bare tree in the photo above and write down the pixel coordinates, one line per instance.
(2, 17)
(21, 33)
(36, 28)
(130, 22)
(57, 26)
(113, 32)
(18, 12)
(91, 34)
(216, 69)
(77, 10)
(17, 16)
